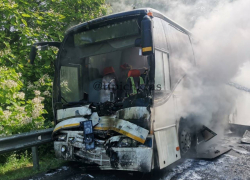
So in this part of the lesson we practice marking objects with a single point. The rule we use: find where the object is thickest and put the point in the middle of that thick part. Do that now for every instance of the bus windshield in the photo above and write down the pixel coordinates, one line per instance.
(100, 70)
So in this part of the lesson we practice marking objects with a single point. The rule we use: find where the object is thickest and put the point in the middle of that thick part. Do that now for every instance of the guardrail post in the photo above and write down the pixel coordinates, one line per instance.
(35, 158)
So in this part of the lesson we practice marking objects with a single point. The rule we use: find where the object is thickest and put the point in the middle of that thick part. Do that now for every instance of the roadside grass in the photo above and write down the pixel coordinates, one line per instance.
(19, 166)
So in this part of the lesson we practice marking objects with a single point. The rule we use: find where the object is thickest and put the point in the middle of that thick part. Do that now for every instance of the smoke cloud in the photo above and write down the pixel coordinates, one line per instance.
(185, 12)
(221, 44)
(222, 49)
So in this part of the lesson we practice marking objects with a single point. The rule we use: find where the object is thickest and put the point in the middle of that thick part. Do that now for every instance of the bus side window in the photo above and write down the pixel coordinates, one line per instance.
(162, 81)
(159, 72)
(69, 83)
(166, 71)
(159, 35)
(180, 52)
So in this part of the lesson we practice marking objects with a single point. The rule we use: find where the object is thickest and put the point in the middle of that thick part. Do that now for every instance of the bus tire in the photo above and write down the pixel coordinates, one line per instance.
(187, 138)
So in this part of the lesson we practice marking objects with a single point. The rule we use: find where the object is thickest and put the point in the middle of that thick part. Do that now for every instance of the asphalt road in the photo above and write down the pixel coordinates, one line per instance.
(233, 165)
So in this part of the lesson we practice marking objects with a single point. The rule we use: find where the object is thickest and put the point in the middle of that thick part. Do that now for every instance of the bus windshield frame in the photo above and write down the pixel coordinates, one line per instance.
(104, 45)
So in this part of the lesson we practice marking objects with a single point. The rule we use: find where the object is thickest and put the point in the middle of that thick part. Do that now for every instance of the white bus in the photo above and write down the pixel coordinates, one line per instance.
(117, 89)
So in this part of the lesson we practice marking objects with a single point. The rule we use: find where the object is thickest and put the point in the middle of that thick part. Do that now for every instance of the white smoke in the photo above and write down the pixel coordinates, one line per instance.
(222, 49)
(222, 31)
(185, 12)
(242, 76)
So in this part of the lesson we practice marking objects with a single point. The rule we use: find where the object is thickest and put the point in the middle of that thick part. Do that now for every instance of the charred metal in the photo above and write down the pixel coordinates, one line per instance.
(111, 149)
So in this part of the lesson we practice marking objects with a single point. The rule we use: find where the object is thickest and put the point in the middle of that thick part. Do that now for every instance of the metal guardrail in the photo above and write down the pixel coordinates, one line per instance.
(26, 140)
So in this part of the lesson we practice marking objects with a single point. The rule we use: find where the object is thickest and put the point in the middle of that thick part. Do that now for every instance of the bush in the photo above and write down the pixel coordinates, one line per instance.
(17, 112)
(25, 90)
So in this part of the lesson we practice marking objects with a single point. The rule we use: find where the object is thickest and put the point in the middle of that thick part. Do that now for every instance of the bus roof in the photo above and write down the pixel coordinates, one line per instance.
(126, 14)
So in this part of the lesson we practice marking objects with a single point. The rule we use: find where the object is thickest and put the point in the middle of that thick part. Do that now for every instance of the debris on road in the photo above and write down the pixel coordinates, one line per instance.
(246, 137)
(212, 152)
(88, 175)
(232, 165)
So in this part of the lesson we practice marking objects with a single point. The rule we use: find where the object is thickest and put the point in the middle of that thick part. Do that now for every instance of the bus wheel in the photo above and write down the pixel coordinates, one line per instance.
(187, 139)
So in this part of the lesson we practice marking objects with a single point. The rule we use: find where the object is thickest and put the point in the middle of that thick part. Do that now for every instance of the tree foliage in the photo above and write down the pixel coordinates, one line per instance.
(23, 23)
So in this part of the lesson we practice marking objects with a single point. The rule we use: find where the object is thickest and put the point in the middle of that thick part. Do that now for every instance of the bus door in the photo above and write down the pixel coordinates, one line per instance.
(165, 125)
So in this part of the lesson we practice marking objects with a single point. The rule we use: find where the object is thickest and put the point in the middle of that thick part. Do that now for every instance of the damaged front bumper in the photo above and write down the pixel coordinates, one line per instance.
(118, 143)
(110, 155)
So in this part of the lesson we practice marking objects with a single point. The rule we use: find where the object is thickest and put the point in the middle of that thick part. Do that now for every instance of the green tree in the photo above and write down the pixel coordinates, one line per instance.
(23, 23)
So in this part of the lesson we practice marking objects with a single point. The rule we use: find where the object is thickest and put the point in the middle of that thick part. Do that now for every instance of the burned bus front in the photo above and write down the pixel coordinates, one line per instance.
(117, 92)
(101, 97)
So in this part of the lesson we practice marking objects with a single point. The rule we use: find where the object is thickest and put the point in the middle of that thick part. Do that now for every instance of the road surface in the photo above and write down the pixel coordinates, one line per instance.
(233, 165)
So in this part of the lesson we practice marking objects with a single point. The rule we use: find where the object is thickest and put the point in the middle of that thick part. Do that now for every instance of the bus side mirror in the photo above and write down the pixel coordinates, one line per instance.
(147, 36)
(32, 54)
(43, 46)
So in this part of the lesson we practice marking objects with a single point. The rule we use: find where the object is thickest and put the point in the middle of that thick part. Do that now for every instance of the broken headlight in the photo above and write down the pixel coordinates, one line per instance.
(62, 137)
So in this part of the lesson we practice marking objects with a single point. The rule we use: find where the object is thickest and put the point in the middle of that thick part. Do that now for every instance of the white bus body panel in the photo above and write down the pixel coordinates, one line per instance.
(165, 131)
(167, 141)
